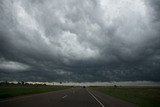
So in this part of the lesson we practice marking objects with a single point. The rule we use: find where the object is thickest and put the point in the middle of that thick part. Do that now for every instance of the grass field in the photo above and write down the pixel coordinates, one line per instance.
(142, 96)
(7, 91)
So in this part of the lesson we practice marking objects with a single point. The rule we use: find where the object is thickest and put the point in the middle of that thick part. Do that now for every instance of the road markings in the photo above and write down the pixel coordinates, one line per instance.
(65, 96)
(95, 98)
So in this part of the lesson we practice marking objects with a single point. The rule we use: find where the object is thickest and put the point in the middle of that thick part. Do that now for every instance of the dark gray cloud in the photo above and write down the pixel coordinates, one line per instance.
(12, 66)
(91, 40)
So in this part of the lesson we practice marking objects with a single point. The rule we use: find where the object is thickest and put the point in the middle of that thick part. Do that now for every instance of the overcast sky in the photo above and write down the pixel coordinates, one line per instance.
(80, 40)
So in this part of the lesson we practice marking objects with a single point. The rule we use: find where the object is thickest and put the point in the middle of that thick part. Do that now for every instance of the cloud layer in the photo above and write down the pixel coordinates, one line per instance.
(12, 66)
(91, 40)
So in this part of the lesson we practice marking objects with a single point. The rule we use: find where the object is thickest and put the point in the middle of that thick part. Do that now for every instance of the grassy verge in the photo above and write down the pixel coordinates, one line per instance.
(142, 96)
(19, 90)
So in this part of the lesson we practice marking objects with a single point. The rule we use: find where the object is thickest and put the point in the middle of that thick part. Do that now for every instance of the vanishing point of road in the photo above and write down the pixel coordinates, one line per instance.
(73, 97)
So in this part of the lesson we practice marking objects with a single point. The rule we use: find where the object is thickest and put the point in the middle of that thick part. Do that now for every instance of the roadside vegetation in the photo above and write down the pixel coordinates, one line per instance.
(8, 90)
(142, 96)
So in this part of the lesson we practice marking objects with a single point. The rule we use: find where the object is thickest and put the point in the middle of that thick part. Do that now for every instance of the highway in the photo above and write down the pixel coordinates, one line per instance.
(73, 97)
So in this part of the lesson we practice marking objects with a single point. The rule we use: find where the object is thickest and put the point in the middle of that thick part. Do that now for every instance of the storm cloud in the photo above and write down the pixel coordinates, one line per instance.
(73, 40)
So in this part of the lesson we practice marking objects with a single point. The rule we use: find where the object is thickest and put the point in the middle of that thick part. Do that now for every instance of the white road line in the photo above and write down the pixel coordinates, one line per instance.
(65, 96)
(95, 98)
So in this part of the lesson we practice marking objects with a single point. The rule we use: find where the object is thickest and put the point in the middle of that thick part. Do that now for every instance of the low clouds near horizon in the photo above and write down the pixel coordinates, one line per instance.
(72, 40)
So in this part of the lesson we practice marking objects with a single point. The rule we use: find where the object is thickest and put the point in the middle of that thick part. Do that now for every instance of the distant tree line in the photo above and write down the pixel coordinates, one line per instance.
(6, 83)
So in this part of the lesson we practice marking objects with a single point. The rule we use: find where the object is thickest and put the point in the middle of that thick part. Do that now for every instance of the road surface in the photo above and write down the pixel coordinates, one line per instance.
(74, 97)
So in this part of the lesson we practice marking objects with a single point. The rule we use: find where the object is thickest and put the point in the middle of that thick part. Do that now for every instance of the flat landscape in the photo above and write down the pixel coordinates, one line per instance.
(14, 90)
(141, 96)
(13, 95)
(72, 97)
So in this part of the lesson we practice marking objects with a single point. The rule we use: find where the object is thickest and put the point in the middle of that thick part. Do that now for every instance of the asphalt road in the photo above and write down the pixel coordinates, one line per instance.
(74, 97)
